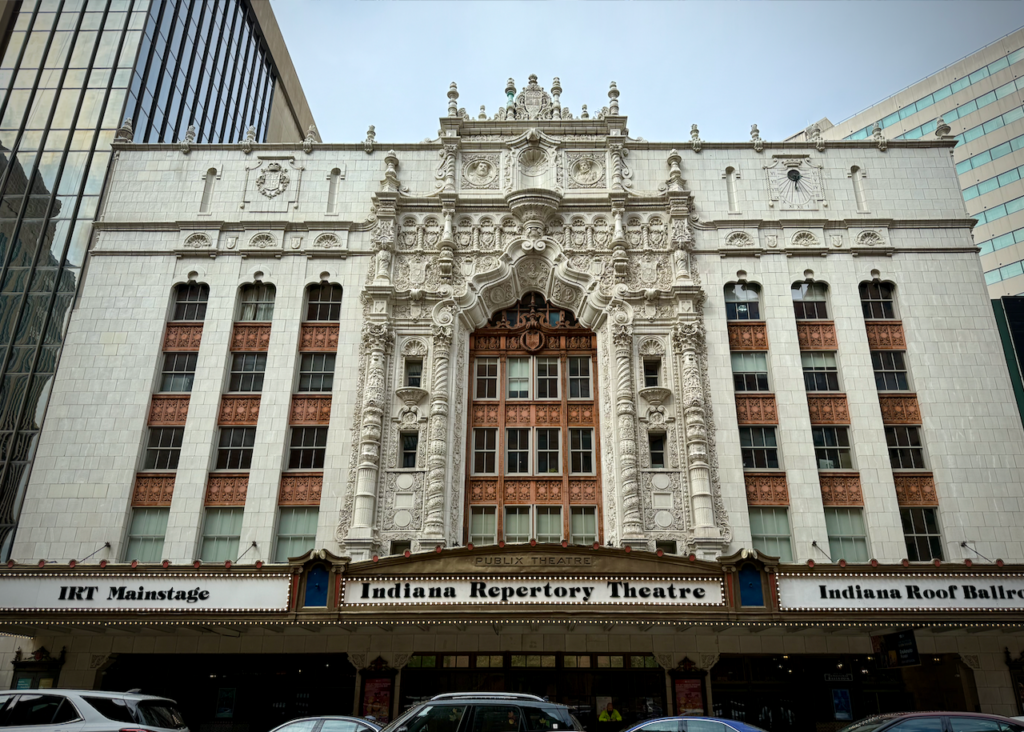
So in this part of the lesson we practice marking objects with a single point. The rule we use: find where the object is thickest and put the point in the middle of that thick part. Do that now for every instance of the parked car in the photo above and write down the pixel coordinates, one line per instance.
(70, 710)
(692, 724)
(329, 724)
(485, 712)
(935, 722)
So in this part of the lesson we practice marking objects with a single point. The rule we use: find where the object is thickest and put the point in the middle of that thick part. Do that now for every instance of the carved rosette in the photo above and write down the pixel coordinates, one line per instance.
(301, 489)
(437, 457)
(250, 337)
(916, 489)
(886, 335)
(153, 489)
(226, 490)
(688, 339)
(840, 489)
(168, 410)
(321, 337)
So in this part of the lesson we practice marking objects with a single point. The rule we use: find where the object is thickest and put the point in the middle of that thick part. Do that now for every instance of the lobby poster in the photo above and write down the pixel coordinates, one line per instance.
(842, 705)
(689, 697)
(896, 650)
(377, 699)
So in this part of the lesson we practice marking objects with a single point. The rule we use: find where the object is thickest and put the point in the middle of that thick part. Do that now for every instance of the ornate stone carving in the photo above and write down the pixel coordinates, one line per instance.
(368, 143)
(183, 336)
(273, 180)
(312, 137)
(263, 241)
(327, 241)
(480, 171)
(869, 239)
(756, 409)
(749, 336)
(900, 409)
(622, 176)
(739, 239)
(755, 137)
(249, 142)
(804, 239)
(886, 335)
(250, 336)
(238, 410)
(309, 409)
(828, 409)
(585, 170)
(651, 347)
(437, 456)
(300, 489)
(152, 489)
(190, 138)
(695, 142)
(226, 490)
(794, 183)
(124, 132)
(915, 489)
(321, 337)
(840, 489)
(817, 335)
(766, 489)
(168, 410)
(876, 135)
(197, 241)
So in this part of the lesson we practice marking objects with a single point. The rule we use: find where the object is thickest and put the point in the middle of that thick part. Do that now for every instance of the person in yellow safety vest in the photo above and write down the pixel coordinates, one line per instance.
(610, 714)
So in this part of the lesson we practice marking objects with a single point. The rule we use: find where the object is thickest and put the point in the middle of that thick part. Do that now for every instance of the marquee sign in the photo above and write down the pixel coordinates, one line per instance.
(175, 592)
(901, 592)
(534, 591)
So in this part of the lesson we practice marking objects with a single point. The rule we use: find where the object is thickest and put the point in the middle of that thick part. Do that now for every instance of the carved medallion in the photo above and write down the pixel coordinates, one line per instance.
(326, 241)
(533, 340)
(197, 241)
(480, 172)
(272, 180)
(263, 241)
(585, 171)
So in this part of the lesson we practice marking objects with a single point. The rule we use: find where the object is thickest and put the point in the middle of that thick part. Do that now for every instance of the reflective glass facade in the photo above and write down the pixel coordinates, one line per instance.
(71, 71)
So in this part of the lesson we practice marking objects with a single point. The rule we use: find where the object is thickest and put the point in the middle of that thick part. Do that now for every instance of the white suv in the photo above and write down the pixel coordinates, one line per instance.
(68, 710)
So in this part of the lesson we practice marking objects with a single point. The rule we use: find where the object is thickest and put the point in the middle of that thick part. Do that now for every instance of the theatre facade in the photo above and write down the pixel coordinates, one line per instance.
(532, 405)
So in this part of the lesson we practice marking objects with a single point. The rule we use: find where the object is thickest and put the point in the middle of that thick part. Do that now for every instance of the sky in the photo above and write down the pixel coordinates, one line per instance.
(720, 65)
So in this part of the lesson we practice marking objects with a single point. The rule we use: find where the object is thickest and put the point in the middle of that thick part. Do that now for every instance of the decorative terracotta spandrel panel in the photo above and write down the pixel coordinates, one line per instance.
(301, 489)
(239, 410)
(318, 337)
(756, 409)
(549, 491)
(517, 414)
(483, 491)
(840, 489)
(766, 489)
(886, 335)
(900, 409)
(817, 335)
(582, 491)
(484, 414)
(517, 491)
(828, 409)
(226, 490)
(153, 489)
(752, 336)
(916, 489)
(581, 414)
(183, 336)
(168, 410)
(250, 337)
(310, 410)
(548, 413)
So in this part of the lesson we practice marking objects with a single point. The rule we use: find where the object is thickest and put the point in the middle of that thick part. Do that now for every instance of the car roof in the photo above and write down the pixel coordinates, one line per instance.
(127, 696)
(494, 699)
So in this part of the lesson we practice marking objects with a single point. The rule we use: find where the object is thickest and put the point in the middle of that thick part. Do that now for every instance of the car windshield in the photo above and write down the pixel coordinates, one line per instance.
(159, 714)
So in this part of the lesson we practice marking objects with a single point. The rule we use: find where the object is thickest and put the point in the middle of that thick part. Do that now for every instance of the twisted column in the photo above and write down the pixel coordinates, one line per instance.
(689, 342)
(437, 458)
(376, 342)
(625, 415)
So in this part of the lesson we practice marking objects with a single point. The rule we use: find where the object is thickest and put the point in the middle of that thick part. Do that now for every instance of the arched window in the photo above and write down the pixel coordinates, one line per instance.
(257, 302)
(190, 302)
(810, 300)
(742, 302)
(323, 303)
(878, 300)
(211, 176)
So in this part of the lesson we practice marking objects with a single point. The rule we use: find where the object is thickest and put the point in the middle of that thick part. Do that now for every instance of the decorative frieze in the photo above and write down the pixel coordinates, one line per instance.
(226, 490)
(766, 489)
(153, 489)
(916, 489)
(238, 410)
(900, 409)
(840, 489)
(307, 409)
(321, 337)
(756, 409)
(183, 336)
(301, 489)
(751, 336)
(817, 336)
(828, 408)
(168, 410)
(250, 337)
(886, 335)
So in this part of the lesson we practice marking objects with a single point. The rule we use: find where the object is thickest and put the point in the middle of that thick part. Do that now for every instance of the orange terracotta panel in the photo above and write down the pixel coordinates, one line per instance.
(840, 489)
(250, 337)
(817, 335)
(319, 337)
(226, 490)
(183, 336)
(301, 489)
(548, 413)
(153, 489)
(239, 410)
(583, 491)
(916, 489)
(549, 491)
(581, 413)
(885, 335)
(168, 410)
(310, 409)
(752, 336)
(900, 409)
(483, 491)
(756, 409)
(828, 408)
(484, 414)
(766, 489)
(517, 491)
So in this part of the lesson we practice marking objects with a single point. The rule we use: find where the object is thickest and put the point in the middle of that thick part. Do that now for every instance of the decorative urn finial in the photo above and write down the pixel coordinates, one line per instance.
(613, 95)
(453, 96)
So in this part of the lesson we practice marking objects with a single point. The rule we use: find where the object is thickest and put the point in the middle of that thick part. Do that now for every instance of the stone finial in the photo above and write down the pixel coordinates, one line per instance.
(695, 142)
(483, 113)
(755, 137)
(584, 114)
(368, 142)
(453, 95)
(510, 91)
(675, 171)
(250, 140)
(190, 137)
(124, 132)
(312, 136)
(816, 138)
(941, 128)
(876, 134)
(391, 184)
(556, 102)
(613, 95)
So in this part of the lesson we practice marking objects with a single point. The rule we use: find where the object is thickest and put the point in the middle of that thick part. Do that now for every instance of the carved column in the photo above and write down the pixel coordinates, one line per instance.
(437, 458)
(689, 343)
(377, 339)
(625, 415)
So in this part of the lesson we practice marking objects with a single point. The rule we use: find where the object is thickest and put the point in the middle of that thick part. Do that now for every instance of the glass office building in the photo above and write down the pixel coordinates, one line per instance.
(71, 72)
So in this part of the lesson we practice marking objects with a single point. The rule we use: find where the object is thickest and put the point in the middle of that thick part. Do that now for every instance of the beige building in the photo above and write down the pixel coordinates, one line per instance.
(980, 98)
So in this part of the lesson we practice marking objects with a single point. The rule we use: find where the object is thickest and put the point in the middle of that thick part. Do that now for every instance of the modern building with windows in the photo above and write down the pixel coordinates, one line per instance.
(532, 406)
(981, 99)
(71, 72)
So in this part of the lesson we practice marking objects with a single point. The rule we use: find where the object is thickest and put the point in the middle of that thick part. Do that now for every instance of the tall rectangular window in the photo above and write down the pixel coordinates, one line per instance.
(486, 378)
(832, 448)
(769, 531)
(517, 450)
(905, 449)
(163, 448)
(821, 372)
(221, 531)
(410, 443)
(247, 371)
(190, 302)
(234, 452)
(656, 445)
(890, 370)
(414, 372)
(517, 524)
(549, 524)
(308, 448)
(750, 371)
(518, 378)
(847, 537)
(547, 378)
(485, 451)
(316, 372)
(179, 372)
(759, 448)
(652, 372)
(581, 450)
(921, 532)
(548, 452)
(583, 525)
(296, 532)
(579, 377)
(483, 525)
(146, 535)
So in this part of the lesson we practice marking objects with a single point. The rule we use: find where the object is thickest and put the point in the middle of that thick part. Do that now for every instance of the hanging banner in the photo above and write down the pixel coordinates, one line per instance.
(901, 592)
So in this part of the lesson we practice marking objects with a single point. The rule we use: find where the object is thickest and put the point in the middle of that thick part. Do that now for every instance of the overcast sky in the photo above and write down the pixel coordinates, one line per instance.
(722, 65)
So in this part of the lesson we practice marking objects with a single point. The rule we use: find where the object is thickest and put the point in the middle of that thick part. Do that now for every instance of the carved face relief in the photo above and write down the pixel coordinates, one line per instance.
(586, 171)
(480, 173)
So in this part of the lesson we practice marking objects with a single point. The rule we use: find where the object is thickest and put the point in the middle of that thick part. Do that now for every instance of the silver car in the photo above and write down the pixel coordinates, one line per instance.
(69, 710)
